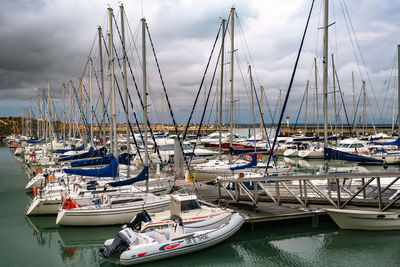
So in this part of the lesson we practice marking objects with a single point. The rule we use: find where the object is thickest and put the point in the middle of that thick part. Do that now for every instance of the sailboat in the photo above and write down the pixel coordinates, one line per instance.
(117, 209)
(355, 219)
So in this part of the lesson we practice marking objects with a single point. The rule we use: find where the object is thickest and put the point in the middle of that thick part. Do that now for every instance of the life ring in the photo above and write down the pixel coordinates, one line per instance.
(259, 157)
(35, 191)
(39, 170)
(50, 178)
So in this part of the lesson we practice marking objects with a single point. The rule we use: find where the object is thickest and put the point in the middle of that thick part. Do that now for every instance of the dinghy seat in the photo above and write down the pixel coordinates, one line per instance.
(160, 236)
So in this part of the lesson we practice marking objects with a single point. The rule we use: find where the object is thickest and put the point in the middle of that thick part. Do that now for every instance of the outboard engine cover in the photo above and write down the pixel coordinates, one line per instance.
(121, 242)
(142, 216)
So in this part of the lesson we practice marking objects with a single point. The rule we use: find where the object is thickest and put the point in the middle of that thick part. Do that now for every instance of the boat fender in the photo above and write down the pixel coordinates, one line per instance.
(35, 191)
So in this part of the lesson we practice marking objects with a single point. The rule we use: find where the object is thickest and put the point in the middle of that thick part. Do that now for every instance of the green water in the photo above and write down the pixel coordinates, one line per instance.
(37, 241)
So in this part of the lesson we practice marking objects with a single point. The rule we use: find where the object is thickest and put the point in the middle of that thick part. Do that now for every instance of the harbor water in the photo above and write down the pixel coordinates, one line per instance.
(37, 241)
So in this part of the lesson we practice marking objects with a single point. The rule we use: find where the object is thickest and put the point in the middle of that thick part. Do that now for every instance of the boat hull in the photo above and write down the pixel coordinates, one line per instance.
(182, 246)
(105, 216)
(365, 220)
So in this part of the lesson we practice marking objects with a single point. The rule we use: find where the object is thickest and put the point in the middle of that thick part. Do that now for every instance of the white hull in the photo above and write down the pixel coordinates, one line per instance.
(202, 237)
(39, 207)
(365, 220)
(311, 154)
(105, 216)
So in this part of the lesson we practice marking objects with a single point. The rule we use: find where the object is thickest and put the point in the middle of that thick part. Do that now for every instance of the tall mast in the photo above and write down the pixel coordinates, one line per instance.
(394, 107)
(113, 107)
(38, 118)
(82, 129)
(49, 117)
(325, 82)
(71, 110)
(316, 93)
(231, 63)
(398, 86)
(90, 101)
(103, 111)
(63, 112)
(364, 109)
(221, 88)
(146, 162)
(125, 80)
(334, 93)
(252, 109)
(44, 116)
(306, 113)
(262, 110)
(354, 98)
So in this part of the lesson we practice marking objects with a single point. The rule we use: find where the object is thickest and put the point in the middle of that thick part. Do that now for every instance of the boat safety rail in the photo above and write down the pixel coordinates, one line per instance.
(335, 189)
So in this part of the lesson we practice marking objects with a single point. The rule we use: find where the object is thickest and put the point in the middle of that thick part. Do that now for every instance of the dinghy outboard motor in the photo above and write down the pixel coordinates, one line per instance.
(125, 237)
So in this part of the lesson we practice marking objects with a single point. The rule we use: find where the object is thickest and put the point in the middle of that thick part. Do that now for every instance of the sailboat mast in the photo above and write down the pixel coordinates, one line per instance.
(398, 86)
(90, 101)
(63, 112)
(364, 109)
(38, 118)
(103, 111)
(125, 79)
(325, 82)
(306, 113)
(71, 107)
(316, 94)
(221, 88)
(44, 115)
(354, 98)
(112, 80)
(252, 109)
(334, 93)
(49, 117)
(146, 162)
(231, 64)
(262, 110)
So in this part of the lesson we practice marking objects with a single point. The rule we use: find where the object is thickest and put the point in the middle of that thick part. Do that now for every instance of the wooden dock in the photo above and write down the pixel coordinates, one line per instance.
(277, 198)
(263, 212)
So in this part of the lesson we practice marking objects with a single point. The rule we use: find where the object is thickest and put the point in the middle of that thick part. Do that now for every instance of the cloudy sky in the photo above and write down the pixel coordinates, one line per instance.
(50, 40)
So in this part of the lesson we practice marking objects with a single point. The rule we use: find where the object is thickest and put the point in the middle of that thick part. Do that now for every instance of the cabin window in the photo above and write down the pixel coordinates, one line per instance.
(189, 205)
(381, 216)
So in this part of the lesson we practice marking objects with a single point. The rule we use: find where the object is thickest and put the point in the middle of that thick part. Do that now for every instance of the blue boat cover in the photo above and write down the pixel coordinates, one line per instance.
(35, 141)
(124, 159)
(252, 163)
(332, 154)
(393, 143)
(143, 175)
(90, 154)
(80, 148)
(111, 170)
